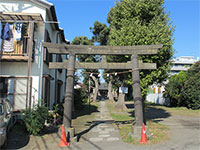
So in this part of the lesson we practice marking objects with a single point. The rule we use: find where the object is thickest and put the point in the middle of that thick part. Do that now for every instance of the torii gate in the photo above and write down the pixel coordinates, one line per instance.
(71, 64)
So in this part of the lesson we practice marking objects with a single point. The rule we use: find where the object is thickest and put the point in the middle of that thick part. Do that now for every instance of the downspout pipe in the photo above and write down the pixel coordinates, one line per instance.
(56, 70)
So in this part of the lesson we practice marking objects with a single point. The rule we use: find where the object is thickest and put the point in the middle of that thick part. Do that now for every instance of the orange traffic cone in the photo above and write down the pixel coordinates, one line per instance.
(63, 140)
(144, 136)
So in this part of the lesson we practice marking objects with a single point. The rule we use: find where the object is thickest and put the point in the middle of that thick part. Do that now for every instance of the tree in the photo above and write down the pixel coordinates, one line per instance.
(100, 32)
(82, 40)
(142, 22)
(173, 89)
(190, 92)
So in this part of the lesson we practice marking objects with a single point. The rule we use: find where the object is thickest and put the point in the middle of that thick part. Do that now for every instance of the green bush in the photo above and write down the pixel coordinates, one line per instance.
(58, 108)
(173, 89)
(184, 89)
(80, 98)
(78, 103)
(190, 93)
(35, 119)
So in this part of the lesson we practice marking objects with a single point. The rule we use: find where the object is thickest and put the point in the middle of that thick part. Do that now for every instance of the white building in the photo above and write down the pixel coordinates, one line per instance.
(29, 60)
(182, 63)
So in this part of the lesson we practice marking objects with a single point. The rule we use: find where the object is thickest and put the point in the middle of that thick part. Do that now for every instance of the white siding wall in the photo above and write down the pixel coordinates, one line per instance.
(20, 68)
(21, 6)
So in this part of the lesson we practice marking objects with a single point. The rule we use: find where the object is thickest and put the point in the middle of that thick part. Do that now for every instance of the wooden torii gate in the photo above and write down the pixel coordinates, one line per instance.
(71, 64)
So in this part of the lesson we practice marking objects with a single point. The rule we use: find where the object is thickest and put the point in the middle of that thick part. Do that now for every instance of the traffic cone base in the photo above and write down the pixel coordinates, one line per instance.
(144, 136)
(63, 140)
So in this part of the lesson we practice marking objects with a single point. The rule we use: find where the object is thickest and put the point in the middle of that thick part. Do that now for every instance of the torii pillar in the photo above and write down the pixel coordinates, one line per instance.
(138, 102)
(69, 95)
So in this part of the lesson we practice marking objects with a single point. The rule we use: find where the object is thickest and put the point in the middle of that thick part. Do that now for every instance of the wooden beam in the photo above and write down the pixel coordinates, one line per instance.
(100, 65)
(101, 50)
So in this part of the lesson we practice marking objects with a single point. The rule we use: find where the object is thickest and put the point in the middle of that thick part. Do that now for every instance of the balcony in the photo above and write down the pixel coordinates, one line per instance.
(20, 52)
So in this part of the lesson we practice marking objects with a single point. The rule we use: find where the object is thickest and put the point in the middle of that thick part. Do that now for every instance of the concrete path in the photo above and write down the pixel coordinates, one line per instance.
(105, 129)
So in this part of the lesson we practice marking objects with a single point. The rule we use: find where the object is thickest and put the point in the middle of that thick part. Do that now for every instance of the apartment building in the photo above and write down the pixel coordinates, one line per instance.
(182, 63)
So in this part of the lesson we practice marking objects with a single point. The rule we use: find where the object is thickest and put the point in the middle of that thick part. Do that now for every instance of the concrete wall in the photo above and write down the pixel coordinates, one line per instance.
(157, 99)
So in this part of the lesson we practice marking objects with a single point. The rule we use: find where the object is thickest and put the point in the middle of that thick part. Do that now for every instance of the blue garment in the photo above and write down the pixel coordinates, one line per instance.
(5, 32)
(10, 31)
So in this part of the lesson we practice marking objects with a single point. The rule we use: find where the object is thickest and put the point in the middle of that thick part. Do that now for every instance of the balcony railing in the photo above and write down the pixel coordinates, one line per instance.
(20, 52)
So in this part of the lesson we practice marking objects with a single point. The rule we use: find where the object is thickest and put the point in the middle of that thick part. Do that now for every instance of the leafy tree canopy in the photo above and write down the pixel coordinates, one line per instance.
(142, 22)
(100, 32)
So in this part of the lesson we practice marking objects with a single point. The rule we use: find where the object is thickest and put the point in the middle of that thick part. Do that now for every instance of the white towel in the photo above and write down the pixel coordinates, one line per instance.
(8, 45)
(18, 31)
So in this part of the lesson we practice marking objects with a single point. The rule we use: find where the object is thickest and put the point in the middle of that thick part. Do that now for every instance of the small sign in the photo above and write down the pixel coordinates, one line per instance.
(123, 90)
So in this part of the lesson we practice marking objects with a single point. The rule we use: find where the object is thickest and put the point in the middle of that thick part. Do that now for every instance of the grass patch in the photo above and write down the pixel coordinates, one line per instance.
(157, 131)
(122, 119)
(84, 117)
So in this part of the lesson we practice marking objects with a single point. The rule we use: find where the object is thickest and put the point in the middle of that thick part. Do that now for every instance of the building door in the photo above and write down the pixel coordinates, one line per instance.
(59, 87)
(46, 91)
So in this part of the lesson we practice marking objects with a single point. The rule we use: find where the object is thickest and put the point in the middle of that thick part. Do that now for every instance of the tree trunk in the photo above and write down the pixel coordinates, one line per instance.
(96, 88)
(121, 102)
(110, 94)
(115, 95)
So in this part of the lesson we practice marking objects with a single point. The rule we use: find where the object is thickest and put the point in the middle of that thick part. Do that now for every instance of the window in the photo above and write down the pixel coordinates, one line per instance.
(3, 87)
(59, 87)
(47, 57)
(46, 90)
(15, 90)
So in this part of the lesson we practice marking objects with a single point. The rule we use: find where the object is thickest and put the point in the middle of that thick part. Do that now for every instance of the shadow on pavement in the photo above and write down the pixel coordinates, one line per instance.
(87, 110)
(92, 125)
(156, 114)
(17, 137)
(151, 113)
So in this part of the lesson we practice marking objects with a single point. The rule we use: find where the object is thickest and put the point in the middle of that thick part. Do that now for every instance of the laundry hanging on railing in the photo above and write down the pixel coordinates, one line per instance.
(6, 32)
(11, 33)
(7, 36)
(18, 31)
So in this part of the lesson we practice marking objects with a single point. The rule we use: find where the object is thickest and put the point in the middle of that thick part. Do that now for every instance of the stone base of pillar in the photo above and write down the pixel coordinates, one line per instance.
(69, 132)
(137, 131)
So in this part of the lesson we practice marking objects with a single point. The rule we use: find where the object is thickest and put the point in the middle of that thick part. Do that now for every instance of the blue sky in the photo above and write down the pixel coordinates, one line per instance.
(76, 16)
